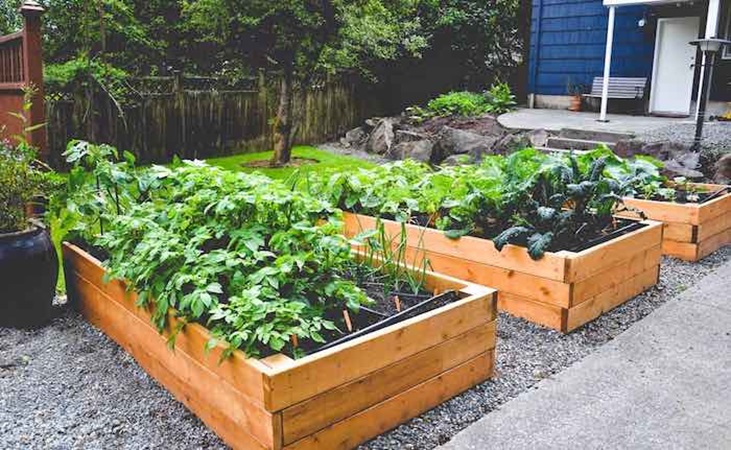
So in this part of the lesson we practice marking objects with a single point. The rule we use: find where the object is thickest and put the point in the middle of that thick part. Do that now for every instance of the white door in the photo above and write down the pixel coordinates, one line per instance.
(673, 67)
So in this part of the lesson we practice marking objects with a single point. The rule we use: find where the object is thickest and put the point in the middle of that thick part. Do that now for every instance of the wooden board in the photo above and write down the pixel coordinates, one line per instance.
(595, 260)
(713, 243)
(237, 420)
(609, 299)
(614, 276)
(468, 248)
(347, 434)
(681, 232)
(307, 377)
(337, 404)
(244, 399)
(540, 294)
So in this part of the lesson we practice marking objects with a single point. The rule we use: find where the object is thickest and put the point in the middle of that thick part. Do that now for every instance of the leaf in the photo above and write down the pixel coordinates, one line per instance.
(538, 244)
(510, 236)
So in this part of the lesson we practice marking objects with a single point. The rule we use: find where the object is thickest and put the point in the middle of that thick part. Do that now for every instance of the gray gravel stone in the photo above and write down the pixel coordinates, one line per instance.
(68, 386)
(716, 136)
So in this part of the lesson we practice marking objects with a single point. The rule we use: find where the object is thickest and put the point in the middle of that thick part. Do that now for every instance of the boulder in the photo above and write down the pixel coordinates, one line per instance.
(511, 143)
(417, 150)
(627, 148)
(381, 138)
(451, 141)
(355, 137)
(723, 170)
(408, 136)
(538, 138)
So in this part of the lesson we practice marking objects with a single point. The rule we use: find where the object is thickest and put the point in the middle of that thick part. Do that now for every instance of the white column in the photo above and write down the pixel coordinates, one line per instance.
(607, 65)
(711, 32)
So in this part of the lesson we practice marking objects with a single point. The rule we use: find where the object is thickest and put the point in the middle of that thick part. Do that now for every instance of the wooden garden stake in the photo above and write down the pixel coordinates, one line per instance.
(397, 301)
(348, 323)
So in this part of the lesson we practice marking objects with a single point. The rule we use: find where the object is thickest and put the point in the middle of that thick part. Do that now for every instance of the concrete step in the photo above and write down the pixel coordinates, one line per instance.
(592, 135)
(576, 144)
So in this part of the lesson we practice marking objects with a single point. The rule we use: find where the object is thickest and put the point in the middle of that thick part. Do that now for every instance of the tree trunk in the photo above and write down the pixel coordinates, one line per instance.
(283, 124)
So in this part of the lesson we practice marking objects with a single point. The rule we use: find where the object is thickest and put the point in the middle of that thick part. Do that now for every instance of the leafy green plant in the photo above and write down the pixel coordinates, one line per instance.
(500, 99)
(463, 103)
(253, 259)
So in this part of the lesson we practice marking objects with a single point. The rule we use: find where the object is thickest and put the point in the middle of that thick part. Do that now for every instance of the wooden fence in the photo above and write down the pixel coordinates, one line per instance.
(195, 117)
(21, 66)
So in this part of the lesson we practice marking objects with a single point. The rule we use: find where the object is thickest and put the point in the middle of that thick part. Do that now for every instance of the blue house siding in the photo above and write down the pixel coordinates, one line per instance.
(568, 39)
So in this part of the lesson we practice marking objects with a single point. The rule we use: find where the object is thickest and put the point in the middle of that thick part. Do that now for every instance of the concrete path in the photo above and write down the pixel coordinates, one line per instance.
(663, 384)
(556, 119)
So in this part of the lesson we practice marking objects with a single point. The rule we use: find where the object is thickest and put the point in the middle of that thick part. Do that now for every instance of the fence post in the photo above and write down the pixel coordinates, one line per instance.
(33, 68)
(178, 90)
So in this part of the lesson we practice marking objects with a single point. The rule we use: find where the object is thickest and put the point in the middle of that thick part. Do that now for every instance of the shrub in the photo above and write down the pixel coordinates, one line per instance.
(462, 103)
(500, 99)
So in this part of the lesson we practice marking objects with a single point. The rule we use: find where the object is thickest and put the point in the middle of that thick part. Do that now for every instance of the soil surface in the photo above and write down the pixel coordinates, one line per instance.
(266, 164)
(68, 386)
(484, 125)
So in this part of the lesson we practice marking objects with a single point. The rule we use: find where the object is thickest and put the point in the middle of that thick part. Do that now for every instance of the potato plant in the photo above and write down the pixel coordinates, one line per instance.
(263, 266)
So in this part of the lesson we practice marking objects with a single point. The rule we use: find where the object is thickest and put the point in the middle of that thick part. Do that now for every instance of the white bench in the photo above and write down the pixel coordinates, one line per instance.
(620, 87)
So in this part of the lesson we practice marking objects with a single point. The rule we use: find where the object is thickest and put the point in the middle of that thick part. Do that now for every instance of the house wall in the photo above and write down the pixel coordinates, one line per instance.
(568, 39)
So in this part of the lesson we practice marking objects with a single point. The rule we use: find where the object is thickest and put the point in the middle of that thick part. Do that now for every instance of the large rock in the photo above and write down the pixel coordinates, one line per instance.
(408, 136)
(511, 143)
(538, 138)
(355, 137)
(418, 150)
(381, 138)
(723, 170)
(451, 141)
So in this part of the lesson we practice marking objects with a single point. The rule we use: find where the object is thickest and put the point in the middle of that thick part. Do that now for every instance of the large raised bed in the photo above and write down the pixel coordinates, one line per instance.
(563, 290)
(333, 399)
(692, 230)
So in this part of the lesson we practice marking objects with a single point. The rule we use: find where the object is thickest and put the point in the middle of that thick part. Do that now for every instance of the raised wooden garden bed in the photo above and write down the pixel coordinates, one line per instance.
(333, 399)
(563, 290)
(692, 230)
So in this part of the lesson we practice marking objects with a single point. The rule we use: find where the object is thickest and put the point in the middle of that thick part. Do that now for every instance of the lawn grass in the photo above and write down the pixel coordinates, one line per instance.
(326, 160)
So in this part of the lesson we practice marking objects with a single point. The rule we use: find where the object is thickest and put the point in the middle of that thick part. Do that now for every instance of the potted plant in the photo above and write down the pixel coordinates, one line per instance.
(28, 261)
(283, 337)
(575, 91)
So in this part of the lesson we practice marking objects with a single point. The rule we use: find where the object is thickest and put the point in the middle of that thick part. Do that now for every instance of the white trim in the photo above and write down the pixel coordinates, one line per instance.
(642, 2)
(607, 64)
(726, 52)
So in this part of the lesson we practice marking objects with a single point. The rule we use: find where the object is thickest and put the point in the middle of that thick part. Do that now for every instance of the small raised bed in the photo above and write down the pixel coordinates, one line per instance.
(692, 230)
(562, 290)
(335, 398)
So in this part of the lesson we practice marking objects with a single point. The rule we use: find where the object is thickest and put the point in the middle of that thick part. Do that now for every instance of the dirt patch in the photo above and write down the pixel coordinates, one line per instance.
(484, 125)
(264, 163)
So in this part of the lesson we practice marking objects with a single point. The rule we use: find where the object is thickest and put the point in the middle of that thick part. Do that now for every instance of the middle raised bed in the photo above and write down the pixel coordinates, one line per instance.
(563, 290)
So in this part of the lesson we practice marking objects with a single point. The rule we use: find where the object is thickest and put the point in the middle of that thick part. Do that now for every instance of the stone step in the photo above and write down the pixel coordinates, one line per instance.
(594, 135)
(576, 144)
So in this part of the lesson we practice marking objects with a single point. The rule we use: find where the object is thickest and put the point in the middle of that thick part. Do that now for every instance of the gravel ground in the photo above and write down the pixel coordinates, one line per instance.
(716, 136)
(68, 386)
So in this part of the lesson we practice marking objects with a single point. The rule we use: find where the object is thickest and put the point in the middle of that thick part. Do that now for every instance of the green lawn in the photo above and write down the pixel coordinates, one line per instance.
(326, 160)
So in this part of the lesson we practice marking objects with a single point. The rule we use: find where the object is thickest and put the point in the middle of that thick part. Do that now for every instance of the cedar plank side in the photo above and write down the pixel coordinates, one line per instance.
(384, 416)
(332, 406)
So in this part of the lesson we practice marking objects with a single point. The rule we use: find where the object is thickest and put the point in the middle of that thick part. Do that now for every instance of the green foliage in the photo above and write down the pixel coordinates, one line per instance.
(542, 202)
(459, 104)
(22, 178)
(497, 100)
(20, 183)
(500, 99)
(254, 260)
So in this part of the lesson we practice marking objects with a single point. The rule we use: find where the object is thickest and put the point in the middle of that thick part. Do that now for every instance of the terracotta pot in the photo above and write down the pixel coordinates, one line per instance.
(28, 275)
(575, 103)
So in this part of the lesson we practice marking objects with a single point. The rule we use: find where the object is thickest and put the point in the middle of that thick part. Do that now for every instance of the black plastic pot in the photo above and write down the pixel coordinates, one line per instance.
(28, 275)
